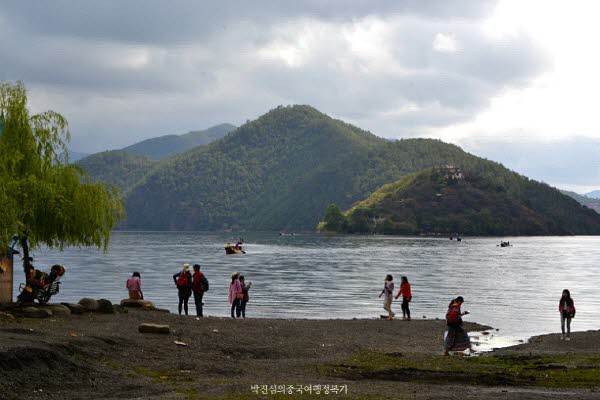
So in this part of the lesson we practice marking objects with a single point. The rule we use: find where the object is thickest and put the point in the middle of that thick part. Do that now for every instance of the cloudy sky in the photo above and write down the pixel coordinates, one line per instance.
(512, 81)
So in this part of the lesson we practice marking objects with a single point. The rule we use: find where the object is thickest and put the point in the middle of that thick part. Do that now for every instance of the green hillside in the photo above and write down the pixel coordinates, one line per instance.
(118, 167)
(488, 200)
(283, 169)
(164, 146)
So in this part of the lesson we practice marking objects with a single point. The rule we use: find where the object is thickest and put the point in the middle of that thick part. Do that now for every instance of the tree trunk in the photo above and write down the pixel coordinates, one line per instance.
(26, 262)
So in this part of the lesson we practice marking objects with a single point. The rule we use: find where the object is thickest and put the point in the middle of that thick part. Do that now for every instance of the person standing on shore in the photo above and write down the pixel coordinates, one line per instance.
(183, 281)
(406, 297)
(199, 286)
(566, 308)
(457, 338)
(235, 295)
(388, 291)
(245, 298)
(134, 286)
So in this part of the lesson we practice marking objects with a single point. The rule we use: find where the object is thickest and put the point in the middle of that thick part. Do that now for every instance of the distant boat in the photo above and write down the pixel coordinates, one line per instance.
(505, 244)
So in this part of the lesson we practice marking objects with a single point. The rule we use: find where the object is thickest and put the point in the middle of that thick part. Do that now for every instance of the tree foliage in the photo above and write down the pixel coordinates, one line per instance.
(45, 199)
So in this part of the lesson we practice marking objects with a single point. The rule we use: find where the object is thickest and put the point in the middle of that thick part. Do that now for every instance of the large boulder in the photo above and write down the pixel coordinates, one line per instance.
(137, 303)
(89, 304)
(105, 306)
(58, 310)
(6, 317)
(76, 309)
(154, 328)
(34, 312)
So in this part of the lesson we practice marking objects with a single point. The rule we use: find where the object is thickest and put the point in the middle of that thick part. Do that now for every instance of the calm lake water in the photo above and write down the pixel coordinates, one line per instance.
(514, 289)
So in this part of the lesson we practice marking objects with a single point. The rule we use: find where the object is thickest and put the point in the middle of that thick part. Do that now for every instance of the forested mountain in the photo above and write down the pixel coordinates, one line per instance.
(589, 202)
(485, 200)
(164, 146)
(117, 167)
(281, 171)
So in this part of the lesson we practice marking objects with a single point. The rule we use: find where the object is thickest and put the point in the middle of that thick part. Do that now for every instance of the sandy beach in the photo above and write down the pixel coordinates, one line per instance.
(96, 356)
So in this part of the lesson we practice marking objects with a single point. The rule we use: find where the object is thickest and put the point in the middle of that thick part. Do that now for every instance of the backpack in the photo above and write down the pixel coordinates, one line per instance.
(183, 280)
(204, 283)
(453, 316)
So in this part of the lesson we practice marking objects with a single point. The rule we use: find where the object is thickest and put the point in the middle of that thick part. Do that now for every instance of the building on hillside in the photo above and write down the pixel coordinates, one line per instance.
(453, 172)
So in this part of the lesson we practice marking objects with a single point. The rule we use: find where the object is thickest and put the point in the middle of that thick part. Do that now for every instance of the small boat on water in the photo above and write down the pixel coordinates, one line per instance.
(237, 249)
(505, 244)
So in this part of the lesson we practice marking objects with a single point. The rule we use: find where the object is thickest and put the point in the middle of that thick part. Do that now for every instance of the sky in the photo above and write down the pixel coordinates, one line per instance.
(512, 81)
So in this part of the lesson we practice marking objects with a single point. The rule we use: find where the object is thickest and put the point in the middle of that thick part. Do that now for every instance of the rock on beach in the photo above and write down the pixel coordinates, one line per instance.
(154, 328)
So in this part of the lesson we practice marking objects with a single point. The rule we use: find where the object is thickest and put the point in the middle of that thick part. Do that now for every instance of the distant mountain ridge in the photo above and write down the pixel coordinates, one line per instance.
(164, 146)
(594, 195)
(126, 167)
(589, 202)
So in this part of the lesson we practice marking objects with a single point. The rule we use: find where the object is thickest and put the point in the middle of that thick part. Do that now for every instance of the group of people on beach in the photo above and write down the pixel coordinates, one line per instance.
(195, 283)
(456, 338)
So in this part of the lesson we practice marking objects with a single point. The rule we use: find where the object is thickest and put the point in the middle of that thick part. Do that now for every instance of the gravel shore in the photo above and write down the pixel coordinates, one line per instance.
(97, 356)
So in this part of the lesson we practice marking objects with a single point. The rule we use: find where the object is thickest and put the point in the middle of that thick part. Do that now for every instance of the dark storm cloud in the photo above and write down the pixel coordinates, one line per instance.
(122, 71)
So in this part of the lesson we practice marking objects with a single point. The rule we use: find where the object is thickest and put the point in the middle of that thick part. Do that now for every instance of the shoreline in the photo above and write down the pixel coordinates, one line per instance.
(104, 354)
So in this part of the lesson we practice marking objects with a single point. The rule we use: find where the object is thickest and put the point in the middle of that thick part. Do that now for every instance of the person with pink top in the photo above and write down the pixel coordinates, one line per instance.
(235, 295)
(134, 286)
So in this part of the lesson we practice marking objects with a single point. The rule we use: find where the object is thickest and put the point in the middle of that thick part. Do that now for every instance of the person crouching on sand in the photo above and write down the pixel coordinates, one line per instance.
(406, 297)
(235, 295)
(134, 286)
(457, 338)
(388, 291)
(566, 308)
(183, 281)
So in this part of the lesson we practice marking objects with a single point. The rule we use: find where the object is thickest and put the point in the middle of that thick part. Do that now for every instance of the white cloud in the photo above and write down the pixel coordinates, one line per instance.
(445, 43)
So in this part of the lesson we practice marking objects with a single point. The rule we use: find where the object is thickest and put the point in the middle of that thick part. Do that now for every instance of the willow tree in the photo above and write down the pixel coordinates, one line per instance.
(44, 199)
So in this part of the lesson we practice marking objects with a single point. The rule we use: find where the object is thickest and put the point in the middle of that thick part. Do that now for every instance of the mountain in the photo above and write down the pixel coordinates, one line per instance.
(118, 167)
(164, 146)
(589, 202)
(433, 201)
(75, 156)
(283, 169)
(594, 195)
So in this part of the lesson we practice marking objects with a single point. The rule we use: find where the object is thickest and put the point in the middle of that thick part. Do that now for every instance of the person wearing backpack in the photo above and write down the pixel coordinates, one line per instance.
(199, 286)
(406, 297)
(566, 308)
(235, 295)
(457, 338)
(183, 281)
(246, 297)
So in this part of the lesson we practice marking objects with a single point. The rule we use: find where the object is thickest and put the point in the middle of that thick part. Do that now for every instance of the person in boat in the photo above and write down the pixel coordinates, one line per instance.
(388, 291)
(134, 286)
(183, 281)
(406, 294)
(566, 308)
(457, 338)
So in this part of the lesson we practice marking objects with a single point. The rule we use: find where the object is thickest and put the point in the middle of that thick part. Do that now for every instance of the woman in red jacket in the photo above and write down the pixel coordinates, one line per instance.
(566, 308)
(406, 297)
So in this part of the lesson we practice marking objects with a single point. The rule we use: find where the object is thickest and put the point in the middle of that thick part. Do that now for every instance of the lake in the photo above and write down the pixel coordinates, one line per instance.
(514, 289)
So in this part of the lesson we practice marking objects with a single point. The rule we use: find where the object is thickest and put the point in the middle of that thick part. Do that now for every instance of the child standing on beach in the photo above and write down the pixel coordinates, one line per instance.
(566, 308)
(246, 298)
(406, 297)
(235, 295)
(388, 291)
